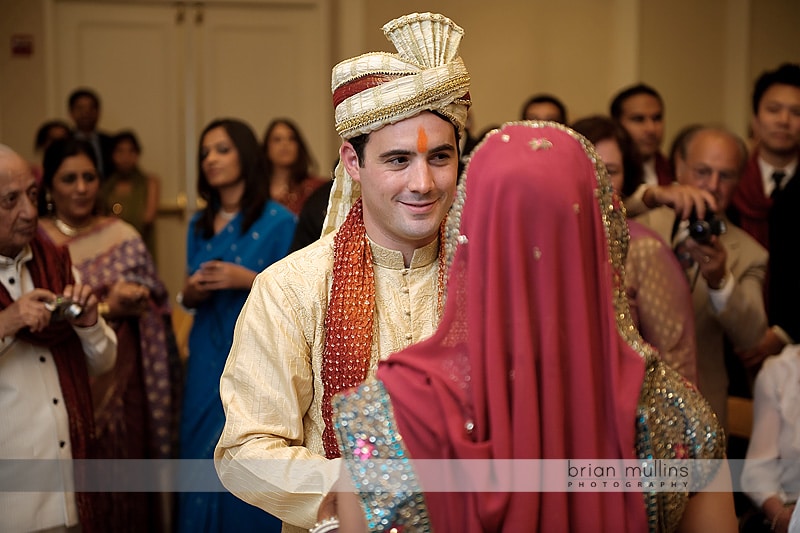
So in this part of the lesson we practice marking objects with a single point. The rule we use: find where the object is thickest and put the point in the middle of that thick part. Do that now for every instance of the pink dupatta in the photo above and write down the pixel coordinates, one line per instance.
(528, 361)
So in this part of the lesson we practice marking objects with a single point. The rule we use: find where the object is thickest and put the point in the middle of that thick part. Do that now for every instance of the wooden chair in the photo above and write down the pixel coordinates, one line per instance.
(740, 417)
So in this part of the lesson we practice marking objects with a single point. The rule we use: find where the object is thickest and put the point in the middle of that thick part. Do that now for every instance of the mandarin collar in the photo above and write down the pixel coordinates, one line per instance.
(25, 255)
(393, 259)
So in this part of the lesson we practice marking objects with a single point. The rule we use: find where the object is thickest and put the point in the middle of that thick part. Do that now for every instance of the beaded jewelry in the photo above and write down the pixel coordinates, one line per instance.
(349, 318)
(329, 525)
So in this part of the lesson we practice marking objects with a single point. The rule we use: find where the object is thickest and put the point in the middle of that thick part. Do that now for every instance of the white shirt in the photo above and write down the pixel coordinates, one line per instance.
(649, 176)
(33, 418)
(772, 463)
(794, 523)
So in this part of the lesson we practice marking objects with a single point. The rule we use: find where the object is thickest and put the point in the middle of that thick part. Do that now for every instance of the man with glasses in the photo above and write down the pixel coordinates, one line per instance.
(726, 267)
(47, 353)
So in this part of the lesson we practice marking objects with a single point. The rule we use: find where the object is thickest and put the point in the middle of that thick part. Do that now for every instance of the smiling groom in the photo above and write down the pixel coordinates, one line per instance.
(319, 321)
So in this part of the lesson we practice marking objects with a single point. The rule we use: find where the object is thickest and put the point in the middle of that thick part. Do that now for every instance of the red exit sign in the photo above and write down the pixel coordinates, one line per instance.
(21, 45)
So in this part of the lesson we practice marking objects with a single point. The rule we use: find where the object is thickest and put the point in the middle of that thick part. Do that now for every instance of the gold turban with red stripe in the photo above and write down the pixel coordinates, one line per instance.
(376, 89)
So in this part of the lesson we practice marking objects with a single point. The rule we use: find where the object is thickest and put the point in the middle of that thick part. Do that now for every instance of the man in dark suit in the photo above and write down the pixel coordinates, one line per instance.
(767, 204)
(84, 108)
(727, 271)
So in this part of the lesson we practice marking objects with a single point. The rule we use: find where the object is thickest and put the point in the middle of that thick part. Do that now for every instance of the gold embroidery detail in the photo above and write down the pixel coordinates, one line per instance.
(540, 144)
(418, 101)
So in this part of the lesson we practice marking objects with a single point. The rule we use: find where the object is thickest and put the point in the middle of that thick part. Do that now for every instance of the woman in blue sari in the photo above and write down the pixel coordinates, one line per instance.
(240, 232)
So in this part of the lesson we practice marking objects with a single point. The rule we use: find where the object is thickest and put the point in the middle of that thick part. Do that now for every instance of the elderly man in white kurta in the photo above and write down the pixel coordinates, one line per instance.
(44, 366)
(319, 321)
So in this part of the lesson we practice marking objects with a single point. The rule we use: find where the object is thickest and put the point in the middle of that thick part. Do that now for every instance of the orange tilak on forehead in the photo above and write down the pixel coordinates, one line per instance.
(422, 140)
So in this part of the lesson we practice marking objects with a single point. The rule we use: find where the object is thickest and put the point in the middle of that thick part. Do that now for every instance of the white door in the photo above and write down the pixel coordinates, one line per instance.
(266, 62)
(165, 69)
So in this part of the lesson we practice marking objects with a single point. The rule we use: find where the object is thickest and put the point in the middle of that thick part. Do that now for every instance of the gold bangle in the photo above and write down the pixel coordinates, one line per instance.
(103, 309)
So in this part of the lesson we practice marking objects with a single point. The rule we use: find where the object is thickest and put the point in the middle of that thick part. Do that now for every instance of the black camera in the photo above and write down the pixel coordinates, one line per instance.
(701, 230)
(63, 308)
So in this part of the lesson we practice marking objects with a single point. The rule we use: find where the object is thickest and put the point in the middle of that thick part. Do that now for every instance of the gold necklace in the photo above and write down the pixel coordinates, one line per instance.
(70, 231)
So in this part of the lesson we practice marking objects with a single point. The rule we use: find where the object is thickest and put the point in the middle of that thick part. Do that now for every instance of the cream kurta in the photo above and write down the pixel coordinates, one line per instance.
(35, 422)
(270, 453)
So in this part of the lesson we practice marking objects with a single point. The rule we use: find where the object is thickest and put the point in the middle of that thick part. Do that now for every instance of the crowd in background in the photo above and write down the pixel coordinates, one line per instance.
(711, 271)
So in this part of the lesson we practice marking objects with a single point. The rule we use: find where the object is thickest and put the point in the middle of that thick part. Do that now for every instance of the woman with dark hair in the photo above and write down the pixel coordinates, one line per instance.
(128, 192)
(47, 133)
(627, 176)
(544, 107)
(50, 131)
(135, 403)
(240, 232)
(656, 286)
(289, 164)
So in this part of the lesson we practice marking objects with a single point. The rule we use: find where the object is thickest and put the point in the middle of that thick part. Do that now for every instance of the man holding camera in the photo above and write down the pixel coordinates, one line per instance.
(51, 339)
(726, 267)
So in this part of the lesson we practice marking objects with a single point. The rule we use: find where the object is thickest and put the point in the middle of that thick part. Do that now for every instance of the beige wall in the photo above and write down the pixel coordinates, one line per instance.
(684, 50)
(775, 36)
(23, 83)
(514, 49)
(703, 56)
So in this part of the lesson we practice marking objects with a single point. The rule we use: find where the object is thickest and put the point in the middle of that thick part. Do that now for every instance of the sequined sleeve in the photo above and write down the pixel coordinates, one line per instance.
(674, 421)
(377, 460)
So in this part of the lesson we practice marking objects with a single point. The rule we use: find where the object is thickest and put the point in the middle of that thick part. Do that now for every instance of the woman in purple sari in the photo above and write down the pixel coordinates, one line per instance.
(135, 403)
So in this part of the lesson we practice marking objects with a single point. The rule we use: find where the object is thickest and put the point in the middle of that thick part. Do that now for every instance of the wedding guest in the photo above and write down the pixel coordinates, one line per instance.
(45, 135)
(129, 192)
(136, 403)
(289, 165)
(771, 474)
(658, 293)
(46, 358)
(544, 107)
(84, 110)
(767, 202)
(240, 232)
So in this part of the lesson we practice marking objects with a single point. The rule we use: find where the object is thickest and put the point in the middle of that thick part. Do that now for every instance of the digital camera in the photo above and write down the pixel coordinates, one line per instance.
(701, 230)
(63, 308)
